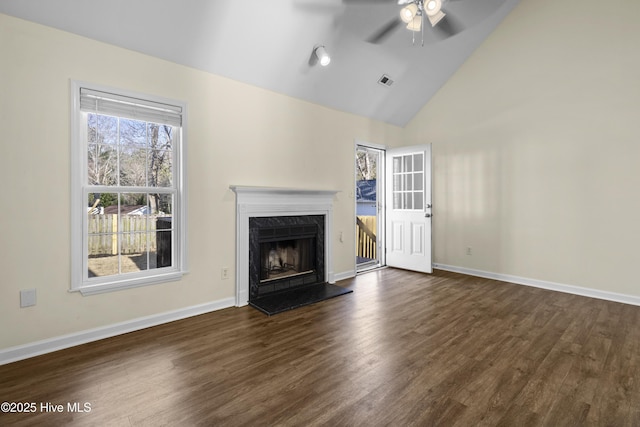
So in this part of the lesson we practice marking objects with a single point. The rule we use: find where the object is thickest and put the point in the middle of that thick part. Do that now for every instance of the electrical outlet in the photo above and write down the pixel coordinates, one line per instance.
(469, 250)
(224, 273)
(27, 297)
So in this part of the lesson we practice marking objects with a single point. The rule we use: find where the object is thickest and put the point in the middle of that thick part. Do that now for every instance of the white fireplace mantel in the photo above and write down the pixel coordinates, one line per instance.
(274, 201)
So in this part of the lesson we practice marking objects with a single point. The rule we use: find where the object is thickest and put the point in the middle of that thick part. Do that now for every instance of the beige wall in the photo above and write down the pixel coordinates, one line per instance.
(237, 134)
(535, 141)
(536, 144)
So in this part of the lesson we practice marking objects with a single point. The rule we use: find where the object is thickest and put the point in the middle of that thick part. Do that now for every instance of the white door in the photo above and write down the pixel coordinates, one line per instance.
(408, 203)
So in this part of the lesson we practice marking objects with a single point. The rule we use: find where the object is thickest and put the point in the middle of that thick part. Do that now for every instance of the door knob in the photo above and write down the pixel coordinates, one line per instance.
(427, 215)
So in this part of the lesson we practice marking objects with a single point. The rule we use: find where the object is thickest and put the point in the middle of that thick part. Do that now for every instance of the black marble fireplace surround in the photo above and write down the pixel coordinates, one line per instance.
(304, 234)
(287, 263)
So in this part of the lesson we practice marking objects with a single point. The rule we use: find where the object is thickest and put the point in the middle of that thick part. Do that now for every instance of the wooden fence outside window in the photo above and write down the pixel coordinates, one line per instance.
(137, 234)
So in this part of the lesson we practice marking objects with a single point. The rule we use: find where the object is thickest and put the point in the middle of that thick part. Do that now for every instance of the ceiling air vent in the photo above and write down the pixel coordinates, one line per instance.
(385, 80)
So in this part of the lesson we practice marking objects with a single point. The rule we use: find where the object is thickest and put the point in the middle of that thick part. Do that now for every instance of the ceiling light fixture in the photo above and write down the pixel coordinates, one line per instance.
(322, 55)
(415, 24)
(433, 9)
(414, 12)
(409, 12)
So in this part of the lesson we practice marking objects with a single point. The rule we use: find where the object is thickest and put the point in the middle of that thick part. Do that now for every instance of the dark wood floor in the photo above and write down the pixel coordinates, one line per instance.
(402, 349)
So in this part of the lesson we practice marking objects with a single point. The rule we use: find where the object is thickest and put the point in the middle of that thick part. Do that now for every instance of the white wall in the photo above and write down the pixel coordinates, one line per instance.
(237, 134)
(536, 145)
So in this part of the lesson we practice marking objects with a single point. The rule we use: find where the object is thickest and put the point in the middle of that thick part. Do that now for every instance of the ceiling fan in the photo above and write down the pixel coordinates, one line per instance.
(413, 15)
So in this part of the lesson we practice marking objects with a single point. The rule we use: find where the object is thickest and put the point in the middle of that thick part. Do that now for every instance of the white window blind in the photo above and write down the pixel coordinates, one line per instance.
(94, 101)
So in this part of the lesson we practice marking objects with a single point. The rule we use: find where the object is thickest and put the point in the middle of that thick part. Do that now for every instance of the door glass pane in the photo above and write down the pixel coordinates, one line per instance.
(397, 164)
(408, 202)
(397, 182)
(408, 167)
(418, 162)
(408, 182)
(418, 200)
(397, 200)
(418, 180)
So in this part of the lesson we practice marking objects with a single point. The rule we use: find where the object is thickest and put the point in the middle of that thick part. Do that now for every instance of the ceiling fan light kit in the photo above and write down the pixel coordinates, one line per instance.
(409, 12)
(413, 15)
(417, 9)
(433, 9)
(415, 24)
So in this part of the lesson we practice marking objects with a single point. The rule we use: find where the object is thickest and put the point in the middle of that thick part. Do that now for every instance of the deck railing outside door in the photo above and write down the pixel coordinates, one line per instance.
(366, 237)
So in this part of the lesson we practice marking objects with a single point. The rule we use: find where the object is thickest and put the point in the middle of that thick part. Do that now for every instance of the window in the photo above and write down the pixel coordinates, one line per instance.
(408, 182)
(128, 210)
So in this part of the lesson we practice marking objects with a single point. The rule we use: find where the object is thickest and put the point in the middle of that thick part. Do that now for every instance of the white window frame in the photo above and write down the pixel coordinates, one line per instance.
(79, 188)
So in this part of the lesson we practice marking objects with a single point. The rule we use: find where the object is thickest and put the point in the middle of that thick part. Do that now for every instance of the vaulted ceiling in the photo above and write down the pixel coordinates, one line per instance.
(269, 43)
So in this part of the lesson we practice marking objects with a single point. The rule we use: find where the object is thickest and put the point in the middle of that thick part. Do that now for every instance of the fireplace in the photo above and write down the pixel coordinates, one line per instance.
(285, 253)
(254, 204)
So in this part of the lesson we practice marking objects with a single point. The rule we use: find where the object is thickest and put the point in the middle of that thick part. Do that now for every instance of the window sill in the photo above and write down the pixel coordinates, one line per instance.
(100, 288)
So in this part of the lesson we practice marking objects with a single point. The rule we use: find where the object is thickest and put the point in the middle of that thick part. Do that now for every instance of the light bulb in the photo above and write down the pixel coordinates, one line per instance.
(408, 12)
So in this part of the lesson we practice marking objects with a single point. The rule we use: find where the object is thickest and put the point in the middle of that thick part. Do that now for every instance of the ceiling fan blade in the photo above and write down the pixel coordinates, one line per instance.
(448, 27)
(319, 9)
(385, 31)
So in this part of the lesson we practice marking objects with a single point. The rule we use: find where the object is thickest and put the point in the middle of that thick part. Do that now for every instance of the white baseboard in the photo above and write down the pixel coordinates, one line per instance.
(344, 275)
(13, 354)
(559, 287)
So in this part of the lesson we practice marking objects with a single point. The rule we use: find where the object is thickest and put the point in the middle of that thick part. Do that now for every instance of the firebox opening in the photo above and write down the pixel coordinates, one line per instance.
(286, 258)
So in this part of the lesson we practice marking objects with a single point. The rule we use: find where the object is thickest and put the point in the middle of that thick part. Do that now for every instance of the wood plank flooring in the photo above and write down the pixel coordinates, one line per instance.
(403, 349)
